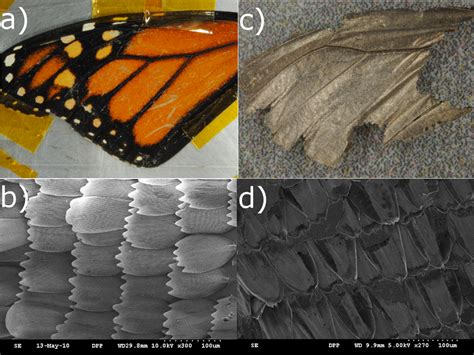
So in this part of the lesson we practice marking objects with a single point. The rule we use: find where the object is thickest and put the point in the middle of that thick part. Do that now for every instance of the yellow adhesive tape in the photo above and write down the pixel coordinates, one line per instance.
(217, 125)
(26, 131)
(116, 7)
(184, 5)
(5, 5)
(23, 171)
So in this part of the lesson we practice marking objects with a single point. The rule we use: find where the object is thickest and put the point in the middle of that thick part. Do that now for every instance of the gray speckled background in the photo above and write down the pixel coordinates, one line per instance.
(445, 151)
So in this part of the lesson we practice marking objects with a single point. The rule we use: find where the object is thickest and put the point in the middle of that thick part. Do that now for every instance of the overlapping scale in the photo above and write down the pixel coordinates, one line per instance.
(145, 257)
(13, 245)
(201, 253)
(202, 278)
(44, 300)
(98, 213)
(224, 319)
(357, 259)
(122, 259)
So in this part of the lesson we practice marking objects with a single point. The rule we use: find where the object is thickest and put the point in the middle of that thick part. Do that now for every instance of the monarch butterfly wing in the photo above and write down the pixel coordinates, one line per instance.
(30, 70)
(135, 90)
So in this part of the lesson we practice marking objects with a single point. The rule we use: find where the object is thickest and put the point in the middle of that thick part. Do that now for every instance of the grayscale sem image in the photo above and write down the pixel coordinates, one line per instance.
(336, 259)
(118, 259)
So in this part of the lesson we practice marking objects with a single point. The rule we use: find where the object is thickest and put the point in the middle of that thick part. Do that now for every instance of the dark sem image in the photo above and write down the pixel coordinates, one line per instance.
(336, 259)
(118, 259)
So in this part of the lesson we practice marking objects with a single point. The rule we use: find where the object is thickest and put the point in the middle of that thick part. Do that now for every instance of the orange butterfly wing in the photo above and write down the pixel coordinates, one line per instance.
(137, 91)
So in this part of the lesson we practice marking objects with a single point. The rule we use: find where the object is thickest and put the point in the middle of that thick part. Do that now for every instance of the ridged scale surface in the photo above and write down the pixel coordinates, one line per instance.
(122, 259)
(44, 300)
(13, 246)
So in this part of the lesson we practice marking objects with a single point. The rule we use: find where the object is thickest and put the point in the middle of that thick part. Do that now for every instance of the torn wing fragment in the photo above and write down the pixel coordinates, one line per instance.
(322, 85)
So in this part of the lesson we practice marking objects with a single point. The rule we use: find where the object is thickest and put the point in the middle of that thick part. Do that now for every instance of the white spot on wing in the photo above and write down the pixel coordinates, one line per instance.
(88, 26)
(9, 78)
(68, 39)
(10, 60)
